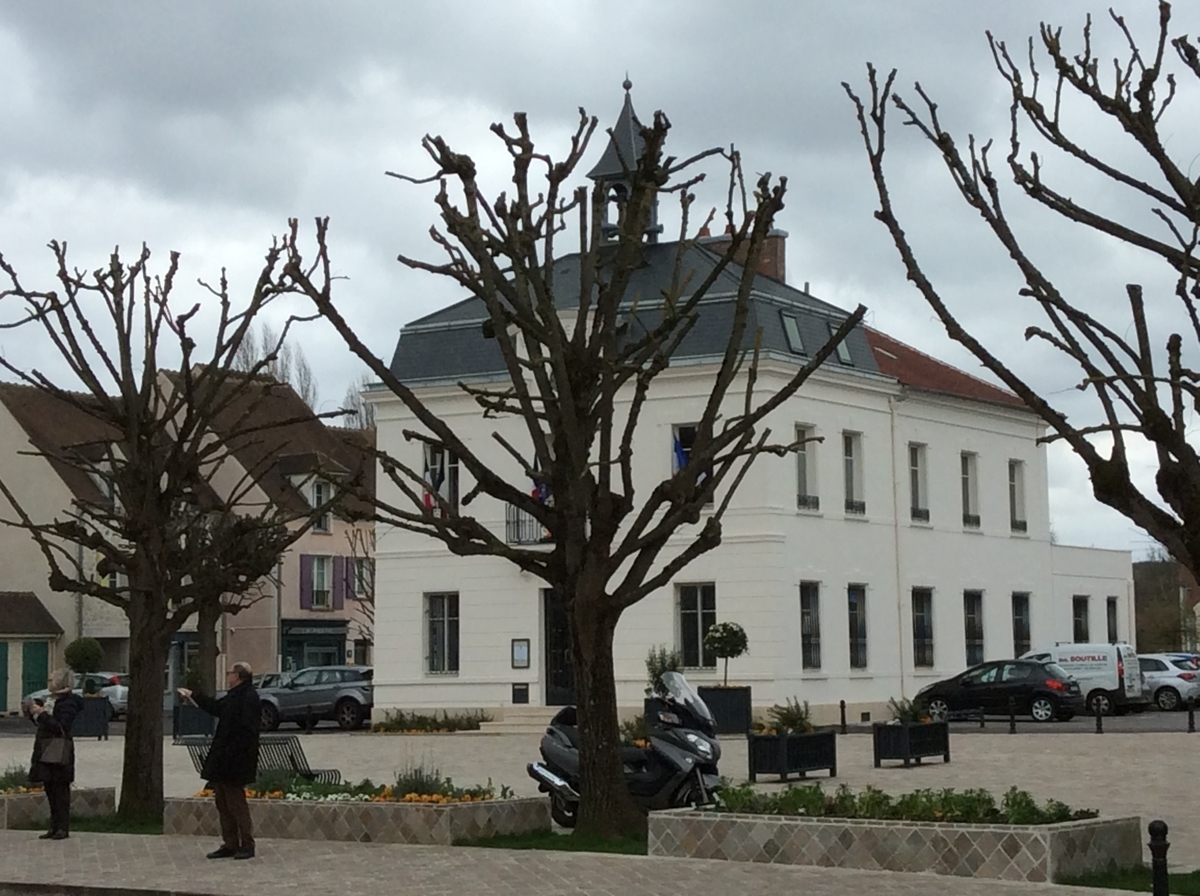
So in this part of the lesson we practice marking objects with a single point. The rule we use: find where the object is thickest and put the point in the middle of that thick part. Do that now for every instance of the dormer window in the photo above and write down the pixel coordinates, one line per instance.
(843, 350)
(320, 495)
(791, 329)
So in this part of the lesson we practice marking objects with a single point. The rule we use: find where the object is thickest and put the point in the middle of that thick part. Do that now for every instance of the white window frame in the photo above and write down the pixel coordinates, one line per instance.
(810, 652)
(435, 456)
(791, 332)
(446, 638)
(364, 569)
(320, 492)
(969, 477)
(701, 629)
(862, 632)
(918, 481)
(807, 492)
(676, 436)
(852, 472)
(322, 573)
(1016, 496)
(843, 350)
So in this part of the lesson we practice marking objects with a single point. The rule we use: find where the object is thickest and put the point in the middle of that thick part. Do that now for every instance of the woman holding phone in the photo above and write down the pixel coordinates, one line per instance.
(53, 763)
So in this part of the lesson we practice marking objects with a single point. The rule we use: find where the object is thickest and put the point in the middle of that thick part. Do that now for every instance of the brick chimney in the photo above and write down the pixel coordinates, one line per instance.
(771, 262)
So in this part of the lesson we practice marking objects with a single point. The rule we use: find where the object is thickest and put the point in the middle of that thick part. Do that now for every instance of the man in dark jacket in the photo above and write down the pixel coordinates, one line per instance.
(232, 761)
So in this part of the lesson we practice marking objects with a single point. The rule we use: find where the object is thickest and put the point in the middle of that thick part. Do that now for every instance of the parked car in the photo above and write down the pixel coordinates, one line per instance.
(1172, 680)
(1040, 689)
(1108, 674)
(113, 685)
(341, 693)
(268, 680)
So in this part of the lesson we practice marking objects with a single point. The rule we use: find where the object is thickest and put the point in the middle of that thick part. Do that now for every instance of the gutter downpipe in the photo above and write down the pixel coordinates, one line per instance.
(892, 402)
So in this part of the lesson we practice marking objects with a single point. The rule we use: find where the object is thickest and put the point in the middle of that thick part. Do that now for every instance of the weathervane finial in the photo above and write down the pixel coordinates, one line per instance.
(628, 85)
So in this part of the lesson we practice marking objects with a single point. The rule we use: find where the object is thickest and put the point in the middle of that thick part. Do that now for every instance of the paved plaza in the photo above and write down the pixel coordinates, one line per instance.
(1152, 775)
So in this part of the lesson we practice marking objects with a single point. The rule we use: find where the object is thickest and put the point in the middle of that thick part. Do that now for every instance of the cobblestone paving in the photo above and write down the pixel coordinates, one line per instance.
(177, 865)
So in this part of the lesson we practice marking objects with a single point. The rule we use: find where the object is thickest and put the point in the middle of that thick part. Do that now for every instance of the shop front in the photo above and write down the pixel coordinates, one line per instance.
(313, 642)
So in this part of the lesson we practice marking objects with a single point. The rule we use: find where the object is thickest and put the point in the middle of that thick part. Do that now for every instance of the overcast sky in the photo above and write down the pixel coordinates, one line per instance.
(202, 127)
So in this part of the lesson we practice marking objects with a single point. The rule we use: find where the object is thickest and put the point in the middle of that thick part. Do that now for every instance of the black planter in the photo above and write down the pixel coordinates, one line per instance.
(911, 741)
(187, 719)
(92, 720)
(792, 753)
(730, 708)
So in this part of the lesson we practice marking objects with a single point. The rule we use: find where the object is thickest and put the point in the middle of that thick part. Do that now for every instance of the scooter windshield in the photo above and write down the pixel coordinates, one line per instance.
(683, 693)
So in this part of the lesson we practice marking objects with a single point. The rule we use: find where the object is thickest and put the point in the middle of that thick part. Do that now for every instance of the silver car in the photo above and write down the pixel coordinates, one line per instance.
(1172, 680)
(113, 685)
(341, 693)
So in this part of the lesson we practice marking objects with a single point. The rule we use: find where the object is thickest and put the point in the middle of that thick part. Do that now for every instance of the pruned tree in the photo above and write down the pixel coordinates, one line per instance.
(177, 525)
(1144, 386)
(361, 542)
(359, 414)
(282, 360)
(578, 379)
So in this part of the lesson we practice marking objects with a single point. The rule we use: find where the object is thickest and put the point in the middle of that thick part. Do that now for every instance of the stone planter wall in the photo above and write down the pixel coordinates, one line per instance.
(367, 822)
(21, 810)
(1003, 852)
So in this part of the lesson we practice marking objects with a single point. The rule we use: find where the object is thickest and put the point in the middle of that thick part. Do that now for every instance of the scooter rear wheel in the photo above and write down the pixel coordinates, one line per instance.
(562, 811)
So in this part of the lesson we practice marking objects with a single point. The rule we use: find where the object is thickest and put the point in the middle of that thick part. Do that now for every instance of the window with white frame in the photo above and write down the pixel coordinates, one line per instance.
(362, 584)
(1022, 637)
(697, 614)
(322, 579)
(843, 350)
(969, 464)
(922, 620)
(918, 486)
(852, 471)
(441, 616)
(791, 329)
(973, 626)
(1016, 496)
(856, 610)
(810, 625)
(1079, 618)
(807, 497)
(1111, 619)
(320, 495)
(441, 480)
(683, 437)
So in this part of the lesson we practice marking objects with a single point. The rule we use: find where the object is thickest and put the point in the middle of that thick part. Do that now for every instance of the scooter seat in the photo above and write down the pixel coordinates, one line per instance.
(634, 755)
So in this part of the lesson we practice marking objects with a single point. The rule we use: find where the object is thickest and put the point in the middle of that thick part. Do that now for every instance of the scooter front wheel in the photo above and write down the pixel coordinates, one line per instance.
(563, 811)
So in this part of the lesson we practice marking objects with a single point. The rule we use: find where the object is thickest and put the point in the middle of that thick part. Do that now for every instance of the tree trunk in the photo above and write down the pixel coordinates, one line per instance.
(207, 618)
(142, 771)
(605, 808)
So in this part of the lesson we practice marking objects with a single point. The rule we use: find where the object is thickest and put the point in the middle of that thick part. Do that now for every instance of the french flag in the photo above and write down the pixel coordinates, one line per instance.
(436, 475)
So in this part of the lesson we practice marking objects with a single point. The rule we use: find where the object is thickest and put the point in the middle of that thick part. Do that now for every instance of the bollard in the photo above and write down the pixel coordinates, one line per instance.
(1191, 715)
(982, 723)
(1158, 862)
(1012, 715)
(308, 719)
(842, 705)
(1099, 710)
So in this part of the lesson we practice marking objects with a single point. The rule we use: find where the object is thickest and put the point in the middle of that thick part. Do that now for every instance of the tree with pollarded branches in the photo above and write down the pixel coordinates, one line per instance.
(178, 527)
(579, 374)
(1143, 385)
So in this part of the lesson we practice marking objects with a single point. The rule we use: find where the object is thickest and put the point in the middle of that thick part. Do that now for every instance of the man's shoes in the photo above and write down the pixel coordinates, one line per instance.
(46, 836)
(59, 835)
(244, 854)
(223, 852)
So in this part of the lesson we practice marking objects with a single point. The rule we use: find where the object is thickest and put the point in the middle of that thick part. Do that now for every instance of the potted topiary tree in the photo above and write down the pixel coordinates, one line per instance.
(84, 656)
(731, 706)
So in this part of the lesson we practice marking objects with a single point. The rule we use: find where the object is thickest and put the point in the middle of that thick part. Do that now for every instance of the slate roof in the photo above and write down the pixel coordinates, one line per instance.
(22, 613)
(917, 370)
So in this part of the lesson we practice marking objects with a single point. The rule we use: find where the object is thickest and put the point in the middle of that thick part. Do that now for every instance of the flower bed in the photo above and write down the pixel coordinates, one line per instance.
(27, 807)
(397, 721)
(946, 832)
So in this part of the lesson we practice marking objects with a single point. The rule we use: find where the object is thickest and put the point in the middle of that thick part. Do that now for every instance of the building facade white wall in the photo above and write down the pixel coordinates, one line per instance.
(769, 547)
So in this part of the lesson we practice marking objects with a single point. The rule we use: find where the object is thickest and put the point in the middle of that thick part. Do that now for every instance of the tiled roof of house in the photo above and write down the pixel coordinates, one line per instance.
(22, 613)
(918, 370)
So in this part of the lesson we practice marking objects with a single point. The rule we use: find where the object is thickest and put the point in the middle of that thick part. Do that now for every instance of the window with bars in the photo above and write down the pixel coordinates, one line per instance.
(810, 625)
(322, 577)
(852, 472)
(697, 614)
(922, 619)
(973, 626)
(970, 489)
(1022, 641)
(1079, 618)
(806, 470)
(1016, 496)
(320, 495)
(856, 606)
(441, 612)
(1111, 609)
(918, 487)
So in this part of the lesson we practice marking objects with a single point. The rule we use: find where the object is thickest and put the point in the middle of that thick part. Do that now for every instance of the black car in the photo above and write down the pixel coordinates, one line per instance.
(1039, 689)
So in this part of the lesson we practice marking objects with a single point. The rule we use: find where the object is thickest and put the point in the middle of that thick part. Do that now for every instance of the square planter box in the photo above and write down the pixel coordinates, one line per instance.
(909, 742)
(790, 753)
(92, 721)
(365, 822)
(1040, 853)
(730, 708)
(21, 810)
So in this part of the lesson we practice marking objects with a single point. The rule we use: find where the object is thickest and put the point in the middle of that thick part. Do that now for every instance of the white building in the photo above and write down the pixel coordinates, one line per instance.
(912, 541)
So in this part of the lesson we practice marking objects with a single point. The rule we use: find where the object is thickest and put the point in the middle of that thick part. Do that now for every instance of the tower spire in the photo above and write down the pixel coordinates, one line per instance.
(616, 166)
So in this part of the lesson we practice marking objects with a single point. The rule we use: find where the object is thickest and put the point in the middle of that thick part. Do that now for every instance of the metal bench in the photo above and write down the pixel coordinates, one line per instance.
(276, 752)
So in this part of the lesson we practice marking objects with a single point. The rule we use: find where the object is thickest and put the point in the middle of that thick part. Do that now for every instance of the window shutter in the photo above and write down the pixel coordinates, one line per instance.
(351, 565)
(339, 582)
(306, 581)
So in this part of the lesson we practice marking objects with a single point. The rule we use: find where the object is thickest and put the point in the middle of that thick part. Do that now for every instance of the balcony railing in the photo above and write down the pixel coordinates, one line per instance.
(971, 520)
(522, 528)
(859, 508)
(808, 502)
(920, 514)
(1019, 526)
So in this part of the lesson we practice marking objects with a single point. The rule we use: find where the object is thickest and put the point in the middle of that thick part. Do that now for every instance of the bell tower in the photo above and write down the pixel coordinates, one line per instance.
(615, 169)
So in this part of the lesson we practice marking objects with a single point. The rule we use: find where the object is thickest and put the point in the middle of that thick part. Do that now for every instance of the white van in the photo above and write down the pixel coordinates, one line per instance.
(1108, 674)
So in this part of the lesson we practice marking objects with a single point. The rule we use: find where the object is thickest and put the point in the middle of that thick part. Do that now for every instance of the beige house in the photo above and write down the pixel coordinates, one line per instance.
(315, 610)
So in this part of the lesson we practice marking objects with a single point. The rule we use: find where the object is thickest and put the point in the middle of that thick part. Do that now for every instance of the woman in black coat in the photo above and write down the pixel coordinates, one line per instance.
(54, 723)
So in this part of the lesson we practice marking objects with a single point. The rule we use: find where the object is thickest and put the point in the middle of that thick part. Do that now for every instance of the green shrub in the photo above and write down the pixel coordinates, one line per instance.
(399, 720)
(13, 777)
(791, 716)
(726, 641)
(964, 807)
(276, 780)
(660, 659)
(904, 710)
(84, 655)
(633, 730)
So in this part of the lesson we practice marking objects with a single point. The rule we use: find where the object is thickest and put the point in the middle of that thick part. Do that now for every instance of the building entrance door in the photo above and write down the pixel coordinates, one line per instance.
(35, 666)
(559, 676)
(4, 676)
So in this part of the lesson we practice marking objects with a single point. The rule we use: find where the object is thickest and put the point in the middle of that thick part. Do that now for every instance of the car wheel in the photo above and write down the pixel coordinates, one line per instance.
(1167, 699)
(349, 715)
(1042, 709)
(1102, 700)
(270, 717)
(939, 709)
(563, 812)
